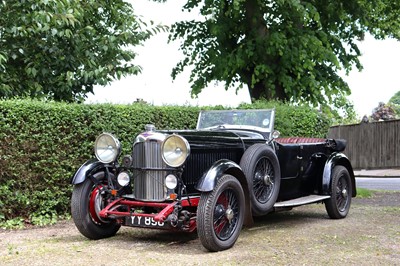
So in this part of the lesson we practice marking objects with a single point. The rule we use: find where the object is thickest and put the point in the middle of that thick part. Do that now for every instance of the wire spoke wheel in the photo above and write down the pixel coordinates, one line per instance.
(342, 194)
(220, 214)
(264, 180)
(96, 204)
(338, 205)
(226, 214)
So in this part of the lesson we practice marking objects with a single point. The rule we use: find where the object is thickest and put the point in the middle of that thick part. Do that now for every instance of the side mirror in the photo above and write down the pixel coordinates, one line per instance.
(275, 134)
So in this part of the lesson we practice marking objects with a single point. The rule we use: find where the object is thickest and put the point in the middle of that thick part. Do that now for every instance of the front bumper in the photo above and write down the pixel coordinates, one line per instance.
(164, 215)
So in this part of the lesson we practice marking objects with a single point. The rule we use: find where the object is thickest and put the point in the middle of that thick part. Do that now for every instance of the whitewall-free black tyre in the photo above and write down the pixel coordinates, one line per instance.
(341, 192)
(86, 202)
(220, 214)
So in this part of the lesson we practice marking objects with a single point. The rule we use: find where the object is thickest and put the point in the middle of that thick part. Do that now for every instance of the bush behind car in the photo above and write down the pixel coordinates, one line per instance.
(44, 143)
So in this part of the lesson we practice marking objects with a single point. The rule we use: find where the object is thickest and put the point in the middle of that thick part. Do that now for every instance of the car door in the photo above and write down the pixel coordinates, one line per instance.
(312, 159)
(290, 161)
(301, 168)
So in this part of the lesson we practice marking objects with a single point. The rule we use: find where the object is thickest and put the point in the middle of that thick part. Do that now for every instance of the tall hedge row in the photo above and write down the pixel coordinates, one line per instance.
(42, 144)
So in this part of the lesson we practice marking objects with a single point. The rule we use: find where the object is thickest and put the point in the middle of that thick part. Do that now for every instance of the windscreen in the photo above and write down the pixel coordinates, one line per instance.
(261, 120)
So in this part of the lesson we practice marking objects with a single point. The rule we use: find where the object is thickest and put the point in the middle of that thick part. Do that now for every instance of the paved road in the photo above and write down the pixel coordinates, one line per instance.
(386, 183)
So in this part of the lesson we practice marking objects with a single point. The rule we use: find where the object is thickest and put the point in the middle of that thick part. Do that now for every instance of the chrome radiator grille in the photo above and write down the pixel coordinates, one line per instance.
(148, 173)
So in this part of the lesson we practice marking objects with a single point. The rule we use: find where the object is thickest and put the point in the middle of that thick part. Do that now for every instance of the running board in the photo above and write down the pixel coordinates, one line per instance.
(300, 201)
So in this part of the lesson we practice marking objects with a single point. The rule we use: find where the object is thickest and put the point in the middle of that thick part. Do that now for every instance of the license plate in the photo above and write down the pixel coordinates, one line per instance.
(143, 221)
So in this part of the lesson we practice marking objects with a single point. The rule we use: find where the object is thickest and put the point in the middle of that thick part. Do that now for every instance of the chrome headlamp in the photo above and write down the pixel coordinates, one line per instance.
(123, 179)
(175, 149)
(171, 182)
(106, 148)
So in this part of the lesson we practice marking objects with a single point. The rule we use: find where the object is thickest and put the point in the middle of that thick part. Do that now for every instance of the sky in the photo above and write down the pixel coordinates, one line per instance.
(377, 82)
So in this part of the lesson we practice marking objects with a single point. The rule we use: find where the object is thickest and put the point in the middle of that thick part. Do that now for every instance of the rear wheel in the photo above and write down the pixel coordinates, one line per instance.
(220, 214)
(339, 204)
(261, 167)
(86, 203)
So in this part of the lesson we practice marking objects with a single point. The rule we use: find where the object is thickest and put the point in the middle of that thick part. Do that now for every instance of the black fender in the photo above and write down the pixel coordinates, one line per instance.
(224, 166)
(333, 160)
(82, 173)
(221, 167)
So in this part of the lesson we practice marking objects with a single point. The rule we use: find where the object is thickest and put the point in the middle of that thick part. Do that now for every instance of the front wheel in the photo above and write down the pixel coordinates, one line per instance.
(86, 203)
(341, 188)
(220, 214)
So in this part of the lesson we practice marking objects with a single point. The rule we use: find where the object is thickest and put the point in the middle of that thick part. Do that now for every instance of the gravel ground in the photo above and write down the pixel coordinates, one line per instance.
(370, 235)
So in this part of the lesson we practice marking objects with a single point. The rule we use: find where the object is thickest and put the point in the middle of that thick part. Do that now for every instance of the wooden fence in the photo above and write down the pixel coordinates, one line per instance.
(371, 145)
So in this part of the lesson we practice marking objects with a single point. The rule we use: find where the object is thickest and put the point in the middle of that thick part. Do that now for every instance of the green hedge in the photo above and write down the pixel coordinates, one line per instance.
(43, 144)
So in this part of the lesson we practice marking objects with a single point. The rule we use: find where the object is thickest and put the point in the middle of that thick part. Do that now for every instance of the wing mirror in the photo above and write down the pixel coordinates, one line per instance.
(275, 134)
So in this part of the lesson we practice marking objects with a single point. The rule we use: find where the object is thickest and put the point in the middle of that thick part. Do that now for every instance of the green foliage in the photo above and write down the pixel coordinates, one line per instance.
(288, 50)
(395, 102)
(60, 49)
(364, 193)
(342, 113)
(16, 223)
(395, 99)
(42, 144)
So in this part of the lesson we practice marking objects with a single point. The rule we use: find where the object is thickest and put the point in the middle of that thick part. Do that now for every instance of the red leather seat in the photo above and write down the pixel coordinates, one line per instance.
(292, 140)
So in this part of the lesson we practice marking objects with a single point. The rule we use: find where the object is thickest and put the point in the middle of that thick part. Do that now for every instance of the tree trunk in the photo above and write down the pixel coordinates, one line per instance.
(256, 92)
(280, 93)
(259, 91)
(258, 30)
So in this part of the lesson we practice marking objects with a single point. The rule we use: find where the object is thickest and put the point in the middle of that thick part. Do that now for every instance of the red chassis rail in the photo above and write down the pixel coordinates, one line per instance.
(167, 208)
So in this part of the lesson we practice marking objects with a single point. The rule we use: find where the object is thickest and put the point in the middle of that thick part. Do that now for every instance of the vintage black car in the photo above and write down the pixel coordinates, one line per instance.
(213, 179)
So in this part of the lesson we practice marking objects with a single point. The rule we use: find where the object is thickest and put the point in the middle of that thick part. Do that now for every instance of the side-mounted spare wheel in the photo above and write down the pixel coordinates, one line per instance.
(220, 214)
(261, 167)
(86, 203)
(338, 204)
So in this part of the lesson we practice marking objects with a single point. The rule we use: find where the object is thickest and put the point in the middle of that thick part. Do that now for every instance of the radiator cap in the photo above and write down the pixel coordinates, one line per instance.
(150, 128)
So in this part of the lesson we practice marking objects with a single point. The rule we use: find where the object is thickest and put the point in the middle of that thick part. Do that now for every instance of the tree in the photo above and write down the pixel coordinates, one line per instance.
(288, 50)
(60, 49)
(395, 99)
(341, 111)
